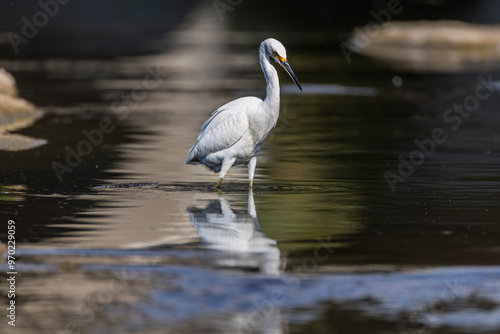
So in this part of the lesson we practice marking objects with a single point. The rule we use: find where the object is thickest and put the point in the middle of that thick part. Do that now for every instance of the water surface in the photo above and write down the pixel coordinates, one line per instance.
(133, 240)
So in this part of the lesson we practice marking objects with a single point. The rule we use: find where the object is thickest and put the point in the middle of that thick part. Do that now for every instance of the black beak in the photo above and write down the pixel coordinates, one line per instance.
(288, 69)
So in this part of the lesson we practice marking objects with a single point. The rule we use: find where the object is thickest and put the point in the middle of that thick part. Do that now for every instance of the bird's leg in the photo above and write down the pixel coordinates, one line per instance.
(251, 170)
(226, 165)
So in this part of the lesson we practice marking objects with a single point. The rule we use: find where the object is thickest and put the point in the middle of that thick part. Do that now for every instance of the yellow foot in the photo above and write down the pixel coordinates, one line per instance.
(219, 181)
(251, 184)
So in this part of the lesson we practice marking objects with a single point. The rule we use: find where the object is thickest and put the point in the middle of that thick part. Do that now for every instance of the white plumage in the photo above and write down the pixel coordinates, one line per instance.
(234, 133)
(236, 231)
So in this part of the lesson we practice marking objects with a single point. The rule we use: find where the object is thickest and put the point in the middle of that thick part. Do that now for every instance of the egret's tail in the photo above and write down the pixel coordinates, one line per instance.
(193, 161)
(192, 158)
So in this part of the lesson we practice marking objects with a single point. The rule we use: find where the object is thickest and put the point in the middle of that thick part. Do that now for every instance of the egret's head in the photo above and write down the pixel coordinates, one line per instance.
(275, 50)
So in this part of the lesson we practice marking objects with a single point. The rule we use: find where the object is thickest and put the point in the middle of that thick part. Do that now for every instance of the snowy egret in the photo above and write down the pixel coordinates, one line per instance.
(233, 135)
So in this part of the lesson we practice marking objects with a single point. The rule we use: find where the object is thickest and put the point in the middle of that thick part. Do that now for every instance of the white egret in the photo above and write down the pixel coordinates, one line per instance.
(233, 135)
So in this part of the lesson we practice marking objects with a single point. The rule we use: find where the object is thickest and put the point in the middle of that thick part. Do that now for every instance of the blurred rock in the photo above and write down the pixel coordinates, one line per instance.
(7, 83)
(2, 250)
(15, 114)
(430, 46)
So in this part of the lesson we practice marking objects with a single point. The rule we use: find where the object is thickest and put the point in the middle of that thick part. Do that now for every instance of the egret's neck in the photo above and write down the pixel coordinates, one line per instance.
(272, 81)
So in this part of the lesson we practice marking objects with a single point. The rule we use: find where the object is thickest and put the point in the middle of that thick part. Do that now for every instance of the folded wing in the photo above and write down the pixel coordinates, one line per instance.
(223, 129)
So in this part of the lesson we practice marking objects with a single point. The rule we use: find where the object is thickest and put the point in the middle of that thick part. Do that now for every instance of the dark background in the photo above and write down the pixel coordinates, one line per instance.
(115, 28)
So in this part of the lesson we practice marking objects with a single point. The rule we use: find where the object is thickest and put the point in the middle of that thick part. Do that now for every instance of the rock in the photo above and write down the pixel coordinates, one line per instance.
(2, 250)
(15, 114)
(431, 46)
(7, 83)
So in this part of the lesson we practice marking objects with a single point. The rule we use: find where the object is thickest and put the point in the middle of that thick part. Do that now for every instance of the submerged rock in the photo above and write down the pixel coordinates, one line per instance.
(7, 83)
(430, 46)
(15, 114)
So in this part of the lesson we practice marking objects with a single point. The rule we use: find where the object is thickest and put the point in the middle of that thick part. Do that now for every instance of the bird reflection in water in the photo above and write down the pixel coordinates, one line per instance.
(238, 232)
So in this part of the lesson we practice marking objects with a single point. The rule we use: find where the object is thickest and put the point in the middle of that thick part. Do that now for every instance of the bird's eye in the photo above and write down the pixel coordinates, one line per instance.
(275, 53)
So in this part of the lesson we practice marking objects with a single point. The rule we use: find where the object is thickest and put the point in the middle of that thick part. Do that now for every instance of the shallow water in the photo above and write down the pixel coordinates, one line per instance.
(133, 240)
